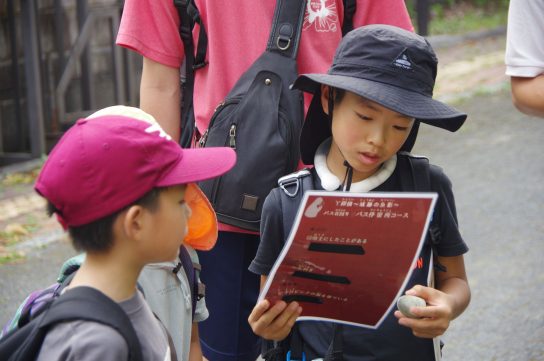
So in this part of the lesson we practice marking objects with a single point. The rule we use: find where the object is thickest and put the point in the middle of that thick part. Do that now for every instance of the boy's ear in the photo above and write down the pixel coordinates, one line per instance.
(325, 92)
(133, 221)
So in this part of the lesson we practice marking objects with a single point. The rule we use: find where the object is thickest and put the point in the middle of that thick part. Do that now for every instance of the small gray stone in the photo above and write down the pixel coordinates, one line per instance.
(404, 303)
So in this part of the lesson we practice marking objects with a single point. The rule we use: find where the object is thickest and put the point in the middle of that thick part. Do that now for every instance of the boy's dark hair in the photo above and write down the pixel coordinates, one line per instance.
(98, 235)
(338, 94)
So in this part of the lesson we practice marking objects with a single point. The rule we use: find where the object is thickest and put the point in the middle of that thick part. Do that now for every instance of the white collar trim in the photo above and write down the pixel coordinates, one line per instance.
(330, 182)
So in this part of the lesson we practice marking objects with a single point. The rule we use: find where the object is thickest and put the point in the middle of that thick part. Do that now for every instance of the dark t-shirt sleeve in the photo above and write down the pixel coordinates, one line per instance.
(272, 237)
(451, 242)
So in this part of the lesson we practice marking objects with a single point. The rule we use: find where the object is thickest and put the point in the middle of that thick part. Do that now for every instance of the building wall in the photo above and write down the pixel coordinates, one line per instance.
(13, 114)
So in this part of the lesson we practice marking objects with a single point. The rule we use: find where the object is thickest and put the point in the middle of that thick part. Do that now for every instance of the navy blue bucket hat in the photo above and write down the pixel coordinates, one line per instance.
(385, 64)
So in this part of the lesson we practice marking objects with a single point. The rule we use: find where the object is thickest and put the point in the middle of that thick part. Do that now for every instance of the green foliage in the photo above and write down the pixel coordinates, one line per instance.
(11, 257)
(467, 22)
(461, 16)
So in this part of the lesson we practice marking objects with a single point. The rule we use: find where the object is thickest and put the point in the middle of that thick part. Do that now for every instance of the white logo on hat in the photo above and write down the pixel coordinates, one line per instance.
(402, 61)
(157, 128)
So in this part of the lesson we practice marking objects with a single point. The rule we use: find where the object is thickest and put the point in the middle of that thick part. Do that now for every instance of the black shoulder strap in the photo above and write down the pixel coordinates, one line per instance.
(86, 303)
(189, 15)
(80, 303)
(186, 25)
(286, 27)
(420, 181)
(349, 10)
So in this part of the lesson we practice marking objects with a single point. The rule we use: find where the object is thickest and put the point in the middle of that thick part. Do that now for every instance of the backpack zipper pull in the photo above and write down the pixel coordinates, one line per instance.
(232, 136)
(202, 141)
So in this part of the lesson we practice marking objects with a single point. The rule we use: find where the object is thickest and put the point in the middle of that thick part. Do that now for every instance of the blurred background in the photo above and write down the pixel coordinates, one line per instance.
(58, 62)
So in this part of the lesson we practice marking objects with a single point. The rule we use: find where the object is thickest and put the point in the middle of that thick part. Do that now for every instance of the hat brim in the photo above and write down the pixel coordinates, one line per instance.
(423, 108)
(406, 102)
(196, 165)
(202, 225)
(199, 164)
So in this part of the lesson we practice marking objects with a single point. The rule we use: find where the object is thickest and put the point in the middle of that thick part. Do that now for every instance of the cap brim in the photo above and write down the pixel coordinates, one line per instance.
(202, 225)
(199, 164)
(406, 102)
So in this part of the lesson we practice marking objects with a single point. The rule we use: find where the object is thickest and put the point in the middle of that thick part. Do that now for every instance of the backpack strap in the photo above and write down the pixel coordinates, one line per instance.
(420, 181)
(188, 17)
(293, 187)
(349, 10)
(336, 348)
(192, 270)
(284, 38)
(286, 27)
(80, 303)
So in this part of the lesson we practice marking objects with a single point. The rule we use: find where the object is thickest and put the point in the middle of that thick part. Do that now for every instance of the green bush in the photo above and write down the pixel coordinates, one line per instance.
(458, 16)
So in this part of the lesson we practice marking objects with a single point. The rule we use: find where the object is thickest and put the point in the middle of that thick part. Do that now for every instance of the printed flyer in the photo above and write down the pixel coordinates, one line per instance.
(349, 255)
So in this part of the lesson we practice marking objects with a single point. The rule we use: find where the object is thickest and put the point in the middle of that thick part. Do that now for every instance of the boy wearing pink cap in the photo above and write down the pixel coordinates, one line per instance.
(125, 192)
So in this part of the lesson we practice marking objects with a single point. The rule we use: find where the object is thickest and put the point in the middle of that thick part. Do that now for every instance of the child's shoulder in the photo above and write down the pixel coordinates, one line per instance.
(83, 340)
(408, 164)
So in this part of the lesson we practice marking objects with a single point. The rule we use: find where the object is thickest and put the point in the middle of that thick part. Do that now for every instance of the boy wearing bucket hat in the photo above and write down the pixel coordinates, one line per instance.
(362, 121)
(126, 193)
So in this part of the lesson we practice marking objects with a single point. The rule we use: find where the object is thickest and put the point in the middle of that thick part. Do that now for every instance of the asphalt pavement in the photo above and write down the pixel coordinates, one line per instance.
(496, 166)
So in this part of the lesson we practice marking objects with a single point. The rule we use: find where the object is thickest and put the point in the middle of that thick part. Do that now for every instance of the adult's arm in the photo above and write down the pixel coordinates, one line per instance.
(528, 95)
(160, 95)
(524, 56)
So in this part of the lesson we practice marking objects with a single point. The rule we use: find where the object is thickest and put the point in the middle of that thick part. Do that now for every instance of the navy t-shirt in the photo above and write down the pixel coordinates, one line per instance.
(390, 341)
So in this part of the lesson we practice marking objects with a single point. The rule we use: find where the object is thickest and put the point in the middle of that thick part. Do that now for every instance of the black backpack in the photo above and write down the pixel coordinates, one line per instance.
(261, 117)
(44, 308)
(80, 303)
(292, 188)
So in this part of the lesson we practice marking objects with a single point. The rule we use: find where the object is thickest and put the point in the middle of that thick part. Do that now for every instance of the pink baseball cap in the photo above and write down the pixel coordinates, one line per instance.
(112, 158)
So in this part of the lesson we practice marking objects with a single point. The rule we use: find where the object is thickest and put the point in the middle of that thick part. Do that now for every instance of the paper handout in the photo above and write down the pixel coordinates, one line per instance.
(349, 255)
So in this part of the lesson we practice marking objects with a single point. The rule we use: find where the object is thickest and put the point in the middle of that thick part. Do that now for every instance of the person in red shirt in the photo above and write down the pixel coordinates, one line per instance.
(237, 35)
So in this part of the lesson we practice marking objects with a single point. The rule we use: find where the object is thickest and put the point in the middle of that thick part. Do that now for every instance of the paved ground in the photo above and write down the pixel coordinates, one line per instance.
(496, 165)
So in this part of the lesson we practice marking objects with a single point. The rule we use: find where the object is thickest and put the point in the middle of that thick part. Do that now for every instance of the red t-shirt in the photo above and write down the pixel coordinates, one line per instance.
(237, 32)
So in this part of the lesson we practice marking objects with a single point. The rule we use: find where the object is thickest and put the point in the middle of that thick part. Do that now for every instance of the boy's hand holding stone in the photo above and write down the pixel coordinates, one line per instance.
(432, 320)
(274, 323)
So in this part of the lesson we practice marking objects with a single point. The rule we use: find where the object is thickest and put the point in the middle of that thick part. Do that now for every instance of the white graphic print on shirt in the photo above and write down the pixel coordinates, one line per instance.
(322, 15)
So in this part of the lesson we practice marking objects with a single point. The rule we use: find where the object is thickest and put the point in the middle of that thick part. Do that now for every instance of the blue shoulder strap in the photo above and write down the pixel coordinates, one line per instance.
(192, 271)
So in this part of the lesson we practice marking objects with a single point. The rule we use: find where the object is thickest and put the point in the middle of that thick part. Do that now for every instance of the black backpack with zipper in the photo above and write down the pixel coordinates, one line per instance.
(261, 117)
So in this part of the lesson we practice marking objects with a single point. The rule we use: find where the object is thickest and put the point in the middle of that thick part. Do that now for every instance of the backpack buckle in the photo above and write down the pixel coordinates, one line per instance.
(284, 37)
(284, 40)
(288, 357)
(293, 179)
